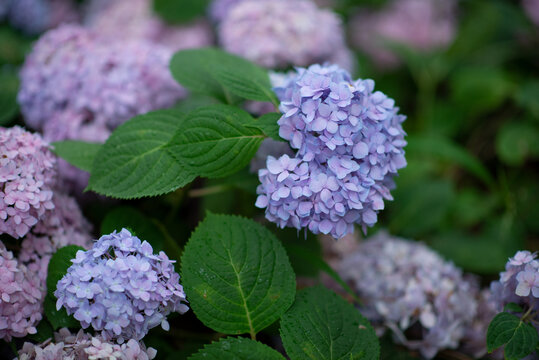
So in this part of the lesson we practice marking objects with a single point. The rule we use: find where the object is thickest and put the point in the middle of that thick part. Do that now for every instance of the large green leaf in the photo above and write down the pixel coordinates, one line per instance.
(78, 153)
(322, 325)
(217, 73)
(519, 338)
(236, 349)
(213, 141)
(236, 275)
(134, 161)
(58, 265)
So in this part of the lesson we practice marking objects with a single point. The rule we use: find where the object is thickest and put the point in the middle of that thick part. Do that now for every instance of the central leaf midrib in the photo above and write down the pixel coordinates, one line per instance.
(242, 295)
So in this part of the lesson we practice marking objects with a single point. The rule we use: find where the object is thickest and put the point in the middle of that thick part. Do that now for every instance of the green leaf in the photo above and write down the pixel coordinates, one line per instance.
(236, 349)
(8, 96)
(519, 338)
(267, 123)
(58, 318)
(516, 142)
(44, 332)
(214, 142)
(513, 307)
(236, 275)
(143, 226)
(78, 153)
(58, 265)
(134, 162)
(180, 11)
(217, 73)
(321, 325)
(445, 149)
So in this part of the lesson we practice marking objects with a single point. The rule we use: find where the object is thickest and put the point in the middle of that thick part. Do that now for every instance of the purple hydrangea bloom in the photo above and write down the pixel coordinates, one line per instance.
(519, 283)
(27, 174)
(36, 16)
(134, 19)
(349, 141)
(219, 9)
(279, 33)
(65, 225)
(121, 288)
(408, 288)
(83, 346)
(532, 9)
(78, 85)
(20, 298)
(420, 24)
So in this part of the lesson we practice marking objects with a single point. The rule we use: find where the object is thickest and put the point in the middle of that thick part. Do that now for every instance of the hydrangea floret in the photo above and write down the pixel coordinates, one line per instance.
(349, 145)
(280, 33)
(519, 283)
(27, 175)
(404, 286)
(63, 226)
(121, 288)
(82, 346)
(20, 298)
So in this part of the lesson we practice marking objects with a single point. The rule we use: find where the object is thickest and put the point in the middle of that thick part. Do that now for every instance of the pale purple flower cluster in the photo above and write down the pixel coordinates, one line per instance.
(78, 85)
(420, 24)
(63, 226)
(27, 174)
(408, 288)
(349, 142)
(532, 9)
(219, 9)
(20, 298)
(82, 346)
(121, 288)
(519, 283)
(279, 33)
(36, 16)
(134, 19)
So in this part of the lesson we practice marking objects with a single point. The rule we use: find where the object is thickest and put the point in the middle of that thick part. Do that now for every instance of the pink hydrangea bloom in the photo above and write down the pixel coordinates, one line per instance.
(65, 225)
(83, 346)
(20, 298)
(420, 24)
(27, 174)
(279, 33)
(134, 19)
(532, 9)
